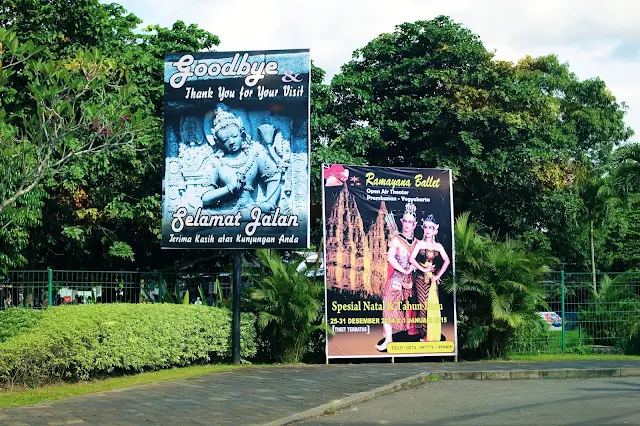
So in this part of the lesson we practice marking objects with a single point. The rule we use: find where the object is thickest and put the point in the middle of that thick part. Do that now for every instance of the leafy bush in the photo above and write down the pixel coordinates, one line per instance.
(78, 342)
(16, 321)
(536, 338)
(612, 317)
(499, 287)
(580, 350)
(289, 308)
(531, 337)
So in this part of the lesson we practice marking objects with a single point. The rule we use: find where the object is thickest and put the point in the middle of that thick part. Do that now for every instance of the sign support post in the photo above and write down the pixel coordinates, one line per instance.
(235, 307)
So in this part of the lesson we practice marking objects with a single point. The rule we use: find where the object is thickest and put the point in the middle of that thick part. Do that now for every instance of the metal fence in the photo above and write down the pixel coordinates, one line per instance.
(576, 317)
(38, 289)
(584, 314)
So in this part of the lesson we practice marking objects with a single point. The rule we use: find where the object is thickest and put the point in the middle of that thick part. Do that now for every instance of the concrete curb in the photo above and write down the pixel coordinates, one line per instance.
(422, 378)
(340, 404)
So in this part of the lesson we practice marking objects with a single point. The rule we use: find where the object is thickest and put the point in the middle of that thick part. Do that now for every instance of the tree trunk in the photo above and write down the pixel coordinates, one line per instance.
(593, 260)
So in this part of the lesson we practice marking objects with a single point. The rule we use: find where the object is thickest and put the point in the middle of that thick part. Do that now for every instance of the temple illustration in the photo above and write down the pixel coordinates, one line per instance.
(356, 260)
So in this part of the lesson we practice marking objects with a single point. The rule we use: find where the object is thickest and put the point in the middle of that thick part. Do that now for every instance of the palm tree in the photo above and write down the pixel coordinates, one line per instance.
(626, 171)
(626, 181)
(289, 307)
(601, 206)
(499, 286)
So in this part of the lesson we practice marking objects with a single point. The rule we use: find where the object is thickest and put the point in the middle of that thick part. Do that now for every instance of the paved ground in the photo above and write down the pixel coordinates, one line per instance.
(250, 395)
(512, 402)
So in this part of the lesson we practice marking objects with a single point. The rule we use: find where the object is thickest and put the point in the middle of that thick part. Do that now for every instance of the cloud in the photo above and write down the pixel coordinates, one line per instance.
(597, 38)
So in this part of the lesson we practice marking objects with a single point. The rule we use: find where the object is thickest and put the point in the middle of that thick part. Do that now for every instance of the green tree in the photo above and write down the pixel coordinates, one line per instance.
(79, 107)
(515, 135)
(612, 316)
(326, 145)
(103, 210)
(100, 218)
(626, 182)
(626, 169)
(603, 213)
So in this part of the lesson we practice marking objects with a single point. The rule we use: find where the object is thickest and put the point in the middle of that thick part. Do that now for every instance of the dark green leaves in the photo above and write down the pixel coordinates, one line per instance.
(516, 135)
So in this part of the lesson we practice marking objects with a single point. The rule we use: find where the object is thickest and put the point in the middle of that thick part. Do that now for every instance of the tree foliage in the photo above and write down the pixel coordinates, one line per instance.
(517, 135)
(612, 317)
(625, 180)
(523, 139)
(626, 169)
(103, 210)
(74, 107)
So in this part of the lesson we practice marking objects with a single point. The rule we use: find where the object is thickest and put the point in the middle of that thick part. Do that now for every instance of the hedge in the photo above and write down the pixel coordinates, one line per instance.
(79, 342)
(16, 321)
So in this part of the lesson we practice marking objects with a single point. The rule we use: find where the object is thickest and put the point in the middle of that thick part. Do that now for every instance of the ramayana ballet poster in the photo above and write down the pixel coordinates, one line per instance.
(236, 149)
(388, 248)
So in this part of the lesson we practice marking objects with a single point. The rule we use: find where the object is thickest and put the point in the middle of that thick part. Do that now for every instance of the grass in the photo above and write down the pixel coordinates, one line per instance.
(432, 378)
(14, 398)
(573, 357)
(552, 343)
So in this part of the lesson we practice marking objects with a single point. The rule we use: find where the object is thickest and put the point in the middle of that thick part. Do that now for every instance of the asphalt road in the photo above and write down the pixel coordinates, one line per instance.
(606, 401)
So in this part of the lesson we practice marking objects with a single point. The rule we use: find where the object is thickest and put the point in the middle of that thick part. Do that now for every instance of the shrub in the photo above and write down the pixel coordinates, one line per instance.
(499, 287)
(78, 342)
(15, 321)
(535, 337)
(612, 316)
(531, 337)
(580, 350)
(289, 308)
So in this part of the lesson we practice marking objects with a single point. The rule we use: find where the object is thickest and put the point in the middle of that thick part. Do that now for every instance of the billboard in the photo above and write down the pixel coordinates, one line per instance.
(388, 247)
(236, 129)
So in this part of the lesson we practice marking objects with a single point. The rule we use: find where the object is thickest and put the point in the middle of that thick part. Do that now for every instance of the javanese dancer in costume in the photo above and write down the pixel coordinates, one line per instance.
(426, 283)
(399, 278)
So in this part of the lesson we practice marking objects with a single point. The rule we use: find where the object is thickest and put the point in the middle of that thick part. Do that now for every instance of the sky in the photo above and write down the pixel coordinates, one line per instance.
(597, 38)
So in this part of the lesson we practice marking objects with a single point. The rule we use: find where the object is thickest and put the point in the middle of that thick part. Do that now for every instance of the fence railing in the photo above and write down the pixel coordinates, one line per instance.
(38, 289)
(583, 314)
(577, 316)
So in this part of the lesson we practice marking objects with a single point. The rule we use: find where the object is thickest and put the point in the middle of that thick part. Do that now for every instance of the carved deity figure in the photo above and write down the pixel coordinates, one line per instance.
(280, 150)
(244, 173)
